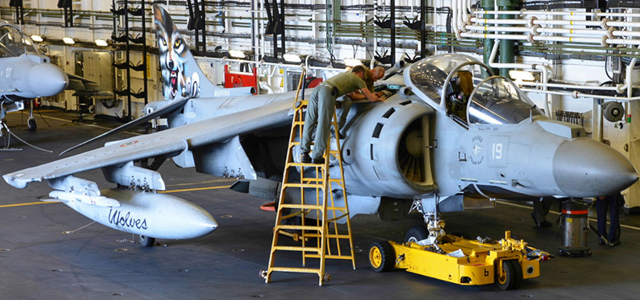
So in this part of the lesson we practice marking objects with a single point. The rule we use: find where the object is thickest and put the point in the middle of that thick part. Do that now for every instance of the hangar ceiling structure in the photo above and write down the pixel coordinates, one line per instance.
(571, 57)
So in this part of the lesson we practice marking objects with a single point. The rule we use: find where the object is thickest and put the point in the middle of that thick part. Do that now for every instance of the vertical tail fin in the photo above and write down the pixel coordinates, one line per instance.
(181, 76)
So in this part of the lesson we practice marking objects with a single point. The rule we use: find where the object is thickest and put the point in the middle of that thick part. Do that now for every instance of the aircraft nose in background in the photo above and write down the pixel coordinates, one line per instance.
(586, 168)
(46, 80)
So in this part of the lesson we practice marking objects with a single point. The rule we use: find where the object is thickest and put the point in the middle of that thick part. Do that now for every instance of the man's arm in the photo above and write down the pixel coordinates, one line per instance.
(356, 95)
(372, 97)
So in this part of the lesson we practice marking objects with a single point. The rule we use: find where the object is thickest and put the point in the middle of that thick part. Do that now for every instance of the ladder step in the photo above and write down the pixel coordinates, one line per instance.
(294, 270)
(329, 256)
(297, 227)
(311, 180)
(337, 209)
(294, 164)
(331, 236)
(303, 185)
(296, 248)
(301, 206)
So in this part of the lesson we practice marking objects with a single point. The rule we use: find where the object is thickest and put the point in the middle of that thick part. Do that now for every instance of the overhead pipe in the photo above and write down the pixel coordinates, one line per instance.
(571, 86)
(629, 77)
(542, 68)
(576, 95)
(547, 97)
(535, 21)
(454, 16)
(595, 14)
(601, 41)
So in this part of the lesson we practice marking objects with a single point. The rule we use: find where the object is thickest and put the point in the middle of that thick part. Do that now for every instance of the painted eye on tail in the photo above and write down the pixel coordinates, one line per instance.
(163, 41)
(177, 43)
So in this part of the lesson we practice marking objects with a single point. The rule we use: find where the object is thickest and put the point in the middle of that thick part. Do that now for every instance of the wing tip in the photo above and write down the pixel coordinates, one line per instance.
(13, 180)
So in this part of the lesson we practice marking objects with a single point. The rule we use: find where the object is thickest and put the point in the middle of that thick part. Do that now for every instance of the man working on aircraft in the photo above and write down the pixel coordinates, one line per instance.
(320, 110)
(369, 77)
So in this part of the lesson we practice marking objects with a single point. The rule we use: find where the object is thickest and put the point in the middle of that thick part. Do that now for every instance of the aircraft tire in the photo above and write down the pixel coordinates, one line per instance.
(382, 257)
(415, 234)
(32, 125)
(146, 241)
(512, 275)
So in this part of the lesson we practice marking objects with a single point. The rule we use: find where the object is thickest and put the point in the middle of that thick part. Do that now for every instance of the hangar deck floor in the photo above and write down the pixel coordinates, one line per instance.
(39, 260)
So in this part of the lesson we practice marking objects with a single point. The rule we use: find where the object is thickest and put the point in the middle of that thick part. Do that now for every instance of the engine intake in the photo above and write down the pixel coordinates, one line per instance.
(389, 150)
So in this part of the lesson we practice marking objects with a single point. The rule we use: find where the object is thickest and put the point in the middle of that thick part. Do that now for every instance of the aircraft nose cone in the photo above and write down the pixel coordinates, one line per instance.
(47, 80)
(586, 168)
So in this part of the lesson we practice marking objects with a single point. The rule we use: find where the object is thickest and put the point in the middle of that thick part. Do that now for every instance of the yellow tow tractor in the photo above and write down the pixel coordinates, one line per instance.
(466, 262)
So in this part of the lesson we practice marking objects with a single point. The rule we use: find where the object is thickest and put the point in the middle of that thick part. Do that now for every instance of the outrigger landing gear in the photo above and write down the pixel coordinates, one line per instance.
(146, 241)
(31, 122)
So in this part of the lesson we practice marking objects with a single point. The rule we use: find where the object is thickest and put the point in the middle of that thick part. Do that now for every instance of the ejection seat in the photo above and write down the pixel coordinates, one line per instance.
(457, 99)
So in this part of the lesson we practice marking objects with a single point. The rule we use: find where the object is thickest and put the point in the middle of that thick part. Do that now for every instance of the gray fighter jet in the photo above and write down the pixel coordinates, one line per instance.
(446, 135)
(25, 73)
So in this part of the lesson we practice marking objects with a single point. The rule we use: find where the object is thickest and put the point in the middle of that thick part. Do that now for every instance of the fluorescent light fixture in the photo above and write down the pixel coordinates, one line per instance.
(292, 58)
(37, 38)
(102, 43)
(352, 62)
(237, 53)
(68, 40)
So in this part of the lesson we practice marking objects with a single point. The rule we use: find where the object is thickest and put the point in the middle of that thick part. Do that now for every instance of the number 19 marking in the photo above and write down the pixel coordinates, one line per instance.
(496, 153)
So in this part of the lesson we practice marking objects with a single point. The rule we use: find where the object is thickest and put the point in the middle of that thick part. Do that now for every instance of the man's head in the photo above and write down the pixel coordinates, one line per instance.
(358, 70)
(377, 73)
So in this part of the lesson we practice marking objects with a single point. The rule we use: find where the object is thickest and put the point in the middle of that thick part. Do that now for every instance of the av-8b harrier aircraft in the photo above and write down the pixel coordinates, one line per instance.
(24, 73)
(448, 134)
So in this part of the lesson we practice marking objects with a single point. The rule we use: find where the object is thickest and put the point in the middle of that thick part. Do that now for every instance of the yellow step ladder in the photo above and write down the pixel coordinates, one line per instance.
(321, 239)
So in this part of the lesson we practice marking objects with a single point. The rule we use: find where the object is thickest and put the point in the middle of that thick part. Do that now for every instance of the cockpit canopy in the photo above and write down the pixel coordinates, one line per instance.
(13, 42)
(496, 100)
(428, 76)
(454, 83)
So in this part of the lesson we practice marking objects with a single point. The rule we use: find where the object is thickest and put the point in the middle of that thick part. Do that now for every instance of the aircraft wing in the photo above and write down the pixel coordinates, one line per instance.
(78, 83)
(168, 142)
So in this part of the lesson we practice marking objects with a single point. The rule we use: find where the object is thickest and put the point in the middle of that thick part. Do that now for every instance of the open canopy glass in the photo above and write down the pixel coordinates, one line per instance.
(13, 42)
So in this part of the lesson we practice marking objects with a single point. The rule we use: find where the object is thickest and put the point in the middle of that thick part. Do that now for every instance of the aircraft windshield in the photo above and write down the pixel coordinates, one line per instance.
(14, 43)
(497, 101)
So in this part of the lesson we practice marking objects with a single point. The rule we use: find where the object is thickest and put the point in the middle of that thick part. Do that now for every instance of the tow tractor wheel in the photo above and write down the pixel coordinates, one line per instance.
(511, 277)
(146, 241)
(415, 234)
(32, 125)
(382, 256)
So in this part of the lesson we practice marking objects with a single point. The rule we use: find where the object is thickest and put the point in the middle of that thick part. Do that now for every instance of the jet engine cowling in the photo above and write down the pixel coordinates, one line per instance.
(387, 150)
